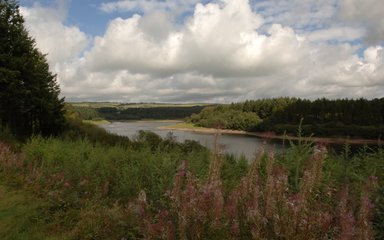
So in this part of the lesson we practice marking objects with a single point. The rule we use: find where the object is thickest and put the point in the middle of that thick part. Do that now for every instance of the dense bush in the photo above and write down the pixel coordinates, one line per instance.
(227, 119)
(85, 113)
(76, 129)
(101, 171)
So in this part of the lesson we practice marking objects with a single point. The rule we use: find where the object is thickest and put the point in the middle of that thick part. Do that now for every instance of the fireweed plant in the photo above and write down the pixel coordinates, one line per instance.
(270, 202)
(181, 191)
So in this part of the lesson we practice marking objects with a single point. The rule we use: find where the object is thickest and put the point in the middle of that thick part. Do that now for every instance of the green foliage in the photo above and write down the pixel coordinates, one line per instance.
(21, 215)
(97, 171)
(264, 204)
(233, 170)
(121, 111)
(245, 116)
(213, 117)
(296, 160)
(150, 138)
(76, 129)
(321, 117)
(155, 112)
(8, 137)
(106, 222)
(29, 93)
(354, 169)
(124, 168)
(86, 113)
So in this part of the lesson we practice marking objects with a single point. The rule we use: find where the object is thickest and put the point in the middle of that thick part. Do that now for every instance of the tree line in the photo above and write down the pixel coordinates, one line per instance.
(111, 113)
(135, 113)
(29, 92)
(322, 117)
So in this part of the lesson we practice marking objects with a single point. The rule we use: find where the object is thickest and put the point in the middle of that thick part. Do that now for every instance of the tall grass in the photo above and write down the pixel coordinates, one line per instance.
(262, 206)
(82, 169)
(155, 188)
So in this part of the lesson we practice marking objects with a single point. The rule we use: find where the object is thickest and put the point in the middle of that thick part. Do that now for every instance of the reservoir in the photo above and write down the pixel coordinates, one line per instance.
(231, 144)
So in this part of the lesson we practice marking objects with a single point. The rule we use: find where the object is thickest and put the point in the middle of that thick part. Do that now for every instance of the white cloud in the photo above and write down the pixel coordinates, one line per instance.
(126, 46)
(224, 51)
(218, 40)
(59, 41)
(339, 34)
(156, 24)
(368, 13)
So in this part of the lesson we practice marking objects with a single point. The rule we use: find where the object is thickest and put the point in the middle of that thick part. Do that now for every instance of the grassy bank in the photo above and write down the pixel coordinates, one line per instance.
(97, 122)
(20, 215)
(186, 126)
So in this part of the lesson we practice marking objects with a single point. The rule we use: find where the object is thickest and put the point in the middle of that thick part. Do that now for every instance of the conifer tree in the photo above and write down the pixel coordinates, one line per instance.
(29, 92)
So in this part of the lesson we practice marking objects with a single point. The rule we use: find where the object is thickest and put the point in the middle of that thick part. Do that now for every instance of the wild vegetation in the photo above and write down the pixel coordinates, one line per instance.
(155, 188)
(321, 117)
(61, 178)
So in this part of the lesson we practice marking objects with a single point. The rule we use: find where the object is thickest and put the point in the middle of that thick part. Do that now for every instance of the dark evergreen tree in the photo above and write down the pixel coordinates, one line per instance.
(29, 93)
(322, 117)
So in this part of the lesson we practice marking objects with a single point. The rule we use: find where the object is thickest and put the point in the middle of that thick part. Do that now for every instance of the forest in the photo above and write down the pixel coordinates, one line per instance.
(178, 112)
(29, 92)
(321, 117)
(135, 111)
(61, 178)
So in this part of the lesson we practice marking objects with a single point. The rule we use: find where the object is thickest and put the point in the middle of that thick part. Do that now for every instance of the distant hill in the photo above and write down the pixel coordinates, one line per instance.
(135, 111)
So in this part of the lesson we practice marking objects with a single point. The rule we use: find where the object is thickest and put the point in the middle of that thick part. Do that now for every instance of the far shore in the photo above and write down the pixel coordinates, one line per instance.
(165, 120)
(97, 122)
(270, 135)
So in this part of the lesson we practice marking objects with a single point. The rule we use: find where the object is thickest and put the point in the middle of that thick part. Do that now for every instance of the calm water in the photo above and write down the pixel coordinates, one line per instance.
(234, 144)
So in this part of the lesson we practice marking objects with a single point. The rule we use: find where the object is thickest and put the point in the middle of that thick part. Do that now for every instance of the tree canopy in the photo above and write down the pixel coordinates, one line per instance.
(322, 117)
(29, 92)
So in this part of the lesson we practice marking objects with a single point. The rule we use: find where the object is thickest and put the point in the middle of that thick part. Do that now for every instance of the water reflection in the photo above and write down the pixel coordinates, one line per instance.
(232, 144)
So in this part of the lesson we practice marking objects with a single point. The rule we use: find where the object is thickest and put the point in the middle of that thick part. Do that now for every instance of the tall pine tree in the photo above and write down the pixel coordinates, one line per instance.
(29, 93)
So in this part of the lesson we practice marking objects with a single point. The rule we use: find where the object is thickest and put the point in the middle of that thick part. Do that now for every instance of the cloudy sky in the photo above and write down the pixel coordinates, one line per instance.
(210, 50)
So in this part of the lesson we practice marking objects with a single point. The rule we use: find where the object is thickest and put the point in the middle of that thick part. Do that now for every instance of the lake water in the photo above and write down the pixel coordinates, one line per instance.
(233, 144)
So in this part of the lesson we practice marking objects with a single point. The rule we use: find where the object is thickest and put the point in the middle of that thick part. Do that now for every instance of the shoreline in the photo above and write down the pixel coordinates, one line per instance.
(273, 136)
(160, 121)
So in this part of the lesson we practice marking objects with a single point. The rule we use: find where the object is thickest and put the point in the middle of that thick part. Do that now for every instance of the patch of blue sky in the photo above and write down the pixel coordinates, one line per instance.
(87, 16)
(84, 14)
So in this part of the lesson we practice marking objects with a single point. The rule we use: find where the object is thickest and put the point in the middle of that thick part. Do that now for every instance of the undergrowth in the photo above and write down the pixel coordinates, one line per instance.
(153, 188)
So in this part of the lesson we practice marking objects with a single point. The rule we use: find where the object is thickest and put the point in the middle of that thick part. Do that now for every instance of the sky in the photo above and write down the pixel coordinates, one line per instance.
(210, 50)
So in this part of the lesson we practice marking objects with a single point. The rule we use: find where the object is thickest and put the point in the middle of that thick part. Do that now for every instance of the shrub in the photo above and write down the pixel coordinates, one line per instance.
(263, 205)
